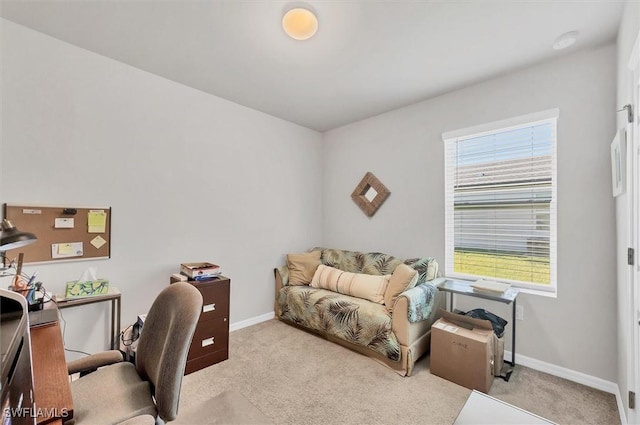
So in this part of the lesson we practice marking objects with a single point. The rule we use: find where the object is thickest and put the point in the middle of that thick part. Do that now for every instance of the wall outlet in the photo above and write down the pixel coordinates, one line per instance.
(519, 312)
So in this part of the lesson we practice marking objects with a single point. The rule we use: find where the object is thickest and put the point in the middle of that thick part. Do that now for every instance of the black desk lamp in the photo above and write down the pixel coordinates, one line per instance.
(12, 238)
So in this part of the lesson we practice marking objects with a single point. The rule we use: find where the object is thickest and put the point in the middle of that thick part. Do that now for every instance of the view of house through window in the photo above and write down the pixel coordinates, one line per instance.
(501, 201)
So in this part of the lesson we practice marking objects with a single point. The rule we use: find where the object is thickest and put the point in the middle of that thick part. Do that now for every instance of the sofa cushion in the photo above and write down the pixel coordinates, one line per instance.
(427, 268)
(352, 319)
(366, 286)
(403, 278)
(302, 267)
(359, 262)
(376, 263)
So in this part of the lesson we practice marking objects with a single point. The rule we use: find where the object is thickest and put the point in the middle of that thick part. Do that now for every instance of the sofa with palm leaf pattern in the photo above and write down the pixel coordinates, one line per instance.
(373, 303)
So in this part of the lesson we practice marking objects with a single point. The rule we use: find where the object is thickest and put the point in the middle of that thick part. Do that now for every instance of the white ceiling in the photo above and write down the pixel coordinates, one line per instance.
(368, 57)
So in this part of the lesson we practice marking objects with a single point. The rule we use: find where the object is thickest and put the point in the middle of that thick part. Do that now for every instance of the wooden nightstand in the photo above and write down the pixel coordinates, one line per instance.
(210, 343)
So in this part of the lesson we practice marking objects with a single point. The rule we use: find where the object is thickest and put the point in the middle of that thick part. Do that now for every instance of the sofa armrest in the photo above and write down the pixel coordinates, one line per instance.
(282, 277)
(407, 330)
(420, 300)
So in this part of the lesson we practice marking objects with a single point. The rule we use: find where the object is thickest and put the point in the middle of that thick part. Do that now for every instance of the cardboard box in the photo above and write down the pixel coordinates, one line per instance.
(498, 350)
(462, 351)
(193, 270)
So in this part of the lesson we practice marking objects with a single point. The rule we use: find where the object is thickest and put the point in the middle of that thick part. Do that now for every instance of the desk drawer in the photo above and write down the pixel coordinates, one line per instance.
(211, 335)
(205, 361)
(215, 300)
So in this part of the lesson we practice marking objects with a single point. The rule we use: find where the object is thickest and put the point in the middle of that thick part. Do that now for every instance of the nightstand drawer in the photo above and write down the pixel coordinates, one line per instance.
(211, 335)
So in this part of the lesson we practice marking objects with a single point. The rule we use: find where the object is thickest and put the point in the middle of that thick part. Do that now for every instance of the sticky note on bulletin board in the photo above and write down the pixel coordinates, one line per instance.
(64, 233)
(97, 221)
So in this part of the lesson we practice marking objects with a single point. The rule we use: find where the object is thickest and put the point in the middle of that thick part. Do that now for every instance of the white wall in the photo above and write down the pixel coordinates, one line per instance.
(629, 28)
(404, 149)
(190, 177)
(1, 120)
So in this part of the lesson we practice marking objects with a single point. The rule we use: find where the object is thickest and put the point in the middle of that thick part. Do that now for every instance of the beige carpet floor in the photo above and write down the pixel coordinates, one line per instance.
(227, 408)
(294, 377)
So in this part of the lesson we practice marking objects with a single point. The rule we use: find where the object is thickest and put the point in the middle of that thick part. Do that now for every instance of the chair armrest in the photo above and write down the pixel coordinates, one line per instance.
(94, 361)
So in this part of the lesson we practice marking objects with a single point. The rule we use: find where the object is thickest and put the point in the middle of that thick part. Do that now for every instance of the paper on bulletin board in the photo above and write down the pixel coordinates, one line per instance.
(97, 221)
(63, 223)
(66, 250)
(98, 242)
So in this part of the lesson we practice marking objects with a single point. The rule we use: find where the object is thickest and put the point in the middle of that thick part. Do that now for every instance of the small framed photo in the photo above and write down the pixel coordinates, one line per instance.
(618, 162)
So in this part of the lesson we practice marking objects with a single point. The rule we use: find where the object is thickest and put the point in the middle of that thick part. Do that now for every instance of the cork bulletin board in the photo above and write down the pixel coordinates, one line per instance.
(65, 233)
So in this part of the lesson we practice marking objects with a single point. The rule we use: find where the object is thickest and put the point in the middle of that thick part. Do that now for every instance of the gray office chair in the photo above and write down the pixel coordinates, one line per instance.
(118, 391)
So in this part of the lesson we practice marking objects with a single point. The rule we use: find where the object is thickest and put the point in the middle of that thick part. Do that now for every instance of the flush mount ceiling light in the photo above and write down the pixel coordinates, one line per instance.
(300, 23)
(565, 40)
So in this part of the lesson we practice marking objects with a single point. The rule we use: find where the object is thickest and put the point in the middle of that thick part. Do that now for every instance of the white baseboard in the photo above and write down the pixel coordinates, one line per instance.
(621, 411)
(574, 376)
(251, 321)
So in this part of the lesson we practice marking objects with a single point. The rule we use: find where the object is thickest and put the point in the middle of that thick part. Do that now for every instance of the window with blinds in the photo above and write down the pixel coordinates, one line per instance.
(501, 201)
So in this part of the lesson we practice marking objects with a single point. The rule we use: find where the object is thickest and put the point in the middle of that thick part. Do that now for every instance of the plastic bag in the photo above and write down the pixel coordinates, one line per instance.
(497, 322)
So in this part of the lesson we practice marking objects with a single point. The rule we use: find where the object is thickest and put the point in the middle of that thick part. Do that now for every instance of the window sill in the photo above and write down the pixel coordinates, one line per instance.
(547, 294)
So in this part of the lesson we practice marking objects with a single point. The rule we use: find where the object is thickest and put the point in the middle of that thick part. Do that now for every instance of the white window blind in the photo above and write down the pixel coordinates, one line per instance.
(500, 199)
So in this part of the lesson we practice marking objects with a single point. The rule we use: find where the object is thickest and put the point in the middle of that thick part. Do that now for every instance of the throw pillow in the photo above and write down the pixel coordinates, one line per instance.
(367, 286)
(302, 267)
(403, 278)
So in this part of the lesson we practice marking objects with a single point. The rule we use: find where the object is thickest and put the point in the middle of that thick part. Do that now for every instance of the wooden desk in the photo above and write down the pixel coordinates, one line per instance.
(52, 391)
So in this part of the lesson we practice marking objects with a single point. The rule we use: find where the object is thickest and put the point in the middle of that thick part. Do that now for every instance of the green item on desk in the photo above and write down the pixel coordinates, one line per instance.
(88, 288)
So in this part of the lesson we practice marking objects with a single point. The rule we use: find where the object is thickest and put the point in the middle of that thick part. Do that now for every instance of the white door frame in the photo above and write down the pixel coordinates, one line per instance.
(633, 217)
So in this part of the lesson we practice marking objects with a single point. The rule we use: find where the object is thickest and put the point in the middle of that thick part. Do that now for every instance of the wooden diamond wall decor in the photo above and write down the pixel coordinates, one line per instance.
(370, 194)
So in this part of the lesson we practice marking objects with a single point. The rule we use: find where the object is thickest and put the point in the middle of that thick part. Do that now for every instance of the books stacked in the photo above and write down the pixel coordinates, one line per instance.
(200, 271)
(490, 287)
